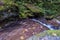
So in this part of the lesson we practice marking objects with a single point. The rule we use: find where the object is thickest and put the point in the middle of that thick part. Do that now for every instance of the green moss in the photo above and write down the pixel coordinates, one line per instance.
(53, 32)
(49, 32)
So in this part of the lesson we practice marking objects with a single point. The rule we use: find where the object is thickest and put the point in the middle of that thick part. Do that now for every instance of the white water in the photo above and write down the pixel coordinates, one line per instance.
(46, 25)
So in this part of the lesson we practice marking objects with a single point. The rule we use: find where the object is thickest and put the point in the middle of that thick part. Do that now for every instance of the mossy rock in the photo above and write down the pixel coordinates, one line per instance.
(46, 34)
(50, 32)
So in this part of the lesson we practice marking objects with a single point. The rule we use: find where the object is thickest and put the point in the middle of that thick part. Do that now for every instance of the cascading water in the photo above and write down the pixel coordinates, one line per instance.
(51, 27)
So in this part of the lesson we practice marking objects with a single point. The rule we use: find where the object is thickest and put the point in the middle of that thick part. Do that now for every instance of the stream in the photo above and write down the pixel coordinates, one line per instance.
(42, 22)
(51, 27)
(47, 36)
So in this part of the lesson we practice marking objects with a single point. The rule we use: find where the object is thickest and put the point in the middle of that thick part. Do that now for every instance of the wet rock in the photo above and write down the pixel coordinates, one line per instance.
(50, 38)
(46, 35)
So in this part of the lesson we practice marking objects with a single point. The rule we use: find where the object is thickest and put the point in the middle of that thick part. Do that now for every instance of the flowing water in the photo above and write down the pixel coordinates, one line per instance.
(47, 36)
(51, 27)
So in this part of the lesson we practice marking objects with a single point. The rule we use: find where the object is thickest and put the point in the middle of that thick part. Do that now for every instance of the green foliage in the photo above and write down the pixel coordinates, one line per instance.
(6, 4)
(1, 7)
(49, 8)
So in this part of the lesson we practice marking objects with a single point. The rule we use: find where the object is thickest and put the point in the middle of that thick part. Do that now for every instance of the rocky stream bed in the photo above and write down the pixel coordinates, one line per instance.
(23, 29)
